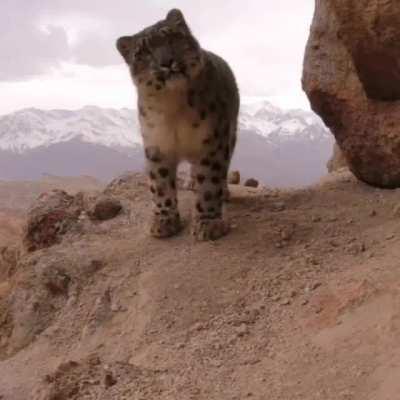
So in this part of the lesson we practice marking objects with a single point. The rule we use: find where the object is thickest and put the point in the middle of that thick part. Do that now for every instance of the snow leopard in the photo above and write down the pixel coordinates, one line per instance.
(188, 105)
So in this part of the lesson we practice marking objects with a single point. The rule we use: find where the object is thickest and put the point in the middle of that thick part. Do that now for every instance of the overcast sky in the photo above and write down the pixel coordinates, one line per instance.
(61, 53)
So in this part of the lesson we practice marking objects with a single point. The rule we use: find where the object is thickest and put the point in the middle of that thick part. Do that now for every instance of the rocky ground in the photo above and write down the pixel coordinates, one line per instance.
(300, 302)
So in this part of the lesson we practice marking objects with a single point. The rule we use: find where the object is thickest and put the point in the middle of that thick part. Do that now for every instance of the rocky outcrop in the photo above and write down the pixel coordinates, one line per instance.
(49, 219)
(352, 78)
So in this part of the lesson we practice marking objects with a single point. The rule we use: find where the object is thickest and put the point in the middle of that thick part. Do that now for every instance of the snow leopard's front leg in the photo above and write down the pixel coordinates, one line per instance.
(161, 170)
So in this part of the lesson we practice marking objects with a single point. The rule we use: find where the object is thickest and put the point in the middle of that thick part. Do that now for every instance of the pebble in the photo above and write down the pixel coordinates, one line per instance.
(279, 206)
(242, 330)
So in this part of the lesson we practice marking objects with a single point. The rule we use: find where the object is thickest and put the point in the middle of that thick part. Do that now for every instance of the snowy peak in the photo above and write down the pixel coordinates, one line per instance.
(31, 128)
(272, 122)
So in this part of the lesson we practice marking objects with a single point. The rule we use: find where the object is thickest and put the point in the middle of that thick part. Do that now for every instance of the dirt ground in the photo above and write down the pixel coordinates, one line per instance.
(300, 302)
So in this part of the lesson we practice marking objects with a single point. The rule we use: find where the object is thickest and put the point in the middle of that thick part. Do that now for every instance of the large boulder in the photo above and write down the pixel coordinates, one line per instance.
(352, 78)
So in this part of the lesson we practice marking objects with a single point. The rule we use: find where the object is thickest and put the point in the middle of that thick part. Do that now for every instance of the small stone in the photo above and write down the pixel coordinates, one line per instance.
(316, 285)
(287, 234)
(251, 183)
(279, 206)
(234, 178)
(396, 210)
(198, 327)
(242, 330)
(316, 218)
(286, 302)
(373, 213)
(106, 208)
(109, 380)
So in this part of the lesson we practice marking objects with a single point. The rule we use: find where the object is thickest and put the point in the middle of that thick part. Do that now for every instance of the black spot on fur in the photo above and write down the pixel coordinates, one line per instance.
(160, 192)
(216, 166)
(208, 196)
(164, 212)
(168, 203)
(215, 180)
(199, 208)
(211, 210)
(172, 184)
(163, 172)
(220, 193)
(201, 178)
(158, 87)
(153, 153)
(149, 83)
(205, 162)
(152, 189)
(190, 98)
(195, 125)
(152, 175)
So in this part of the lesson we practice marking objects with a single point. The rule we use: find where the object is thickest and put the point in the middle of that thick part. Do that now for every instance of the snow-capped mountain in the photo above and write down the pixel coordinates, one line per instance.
(103, 142)
(31, 128)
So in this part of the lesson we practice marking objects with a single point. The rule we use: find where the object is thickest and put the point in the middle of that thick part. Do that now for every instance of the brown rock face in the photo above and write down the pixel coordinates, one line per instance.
(352, 78)
(337, 160)
(49, 219)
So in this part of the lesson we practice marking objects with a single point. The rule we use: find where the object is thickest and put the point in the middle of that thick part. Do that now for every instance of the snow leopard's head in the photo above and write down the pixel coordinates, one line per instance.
(164, 55)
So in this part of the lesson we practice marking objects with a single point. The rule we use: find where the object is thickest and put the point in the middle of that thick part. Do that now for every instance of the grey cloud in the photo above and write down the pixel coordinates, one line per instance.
(26, 50)
(262, 39)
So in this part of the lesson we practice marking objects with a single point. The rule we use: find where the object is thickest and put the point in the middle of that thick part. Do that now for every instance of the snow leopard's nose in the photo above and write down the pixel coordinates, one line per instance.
(166, 63)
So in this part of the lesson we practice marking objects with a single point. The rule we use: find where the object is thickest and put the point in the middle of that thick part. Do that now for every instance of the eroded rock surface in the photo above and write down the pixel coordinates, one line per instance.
(352, 78)
(337, 161)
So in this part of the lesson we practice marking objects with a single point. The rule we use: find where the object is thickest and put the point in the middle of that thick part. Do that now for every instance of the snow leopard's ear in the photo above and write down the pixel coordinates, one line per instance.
(176, 17)
(124, 45)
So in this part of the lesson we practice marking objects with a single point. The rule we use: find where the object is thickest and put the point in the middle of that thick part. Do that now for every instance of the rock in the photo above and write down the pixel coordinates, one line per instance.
(337, 161)
(234, 178)
(396, 210)
(352, 80)
(8, 261)
(49, 219)
(242, 330)
(279, 206)
(105, 208)
(251, 183)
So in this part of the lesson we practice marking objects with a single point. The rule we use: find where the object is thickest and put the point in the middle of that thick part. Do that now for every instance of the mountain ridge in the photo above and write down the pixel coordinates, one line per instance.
(108, 142)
